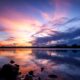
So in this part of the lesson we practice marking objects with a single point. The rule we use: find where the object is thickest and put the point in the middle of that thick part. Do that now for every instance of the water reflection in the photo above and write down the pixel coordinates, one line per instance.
(64, 61)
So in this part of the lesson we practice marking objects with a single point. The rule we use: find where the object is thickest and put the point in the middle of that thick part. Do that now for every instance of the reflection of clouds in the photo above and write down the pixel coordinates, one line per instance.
(54, 54)
(23, 57)
(64, 53)
(19, 56)
(30, 59)
(51, 53)
(59, 57)
(47, 64)
(77, 58)
(3, 60)
(69, 69)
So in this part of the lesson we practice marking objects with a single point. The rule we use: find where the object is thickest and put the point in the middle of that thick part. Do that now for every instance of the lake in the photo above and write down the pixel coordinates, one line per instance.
(62, 62)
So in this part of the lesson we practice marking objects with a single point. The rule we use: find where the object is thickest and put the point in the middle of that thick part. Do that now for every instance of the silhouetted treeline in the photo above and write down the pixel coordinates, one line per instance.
(43, 46)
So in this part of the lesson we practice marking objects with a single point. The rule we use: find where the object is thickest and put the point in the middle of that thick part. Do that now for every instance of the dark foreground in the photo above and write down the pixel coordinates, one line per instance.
(11, 71)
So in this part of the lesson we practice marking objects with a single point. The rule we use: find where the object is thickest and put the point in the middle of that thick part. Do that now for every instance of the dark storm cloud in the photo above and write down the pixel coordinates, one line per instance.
(74, 41)
(76, 19)
(60, 36)
(63, 21)
(73, 31)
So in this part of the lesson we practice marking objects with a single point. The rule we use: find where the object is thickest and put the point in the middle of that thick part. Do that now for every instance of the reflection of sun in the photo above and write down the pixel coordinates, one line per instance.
(21, 56)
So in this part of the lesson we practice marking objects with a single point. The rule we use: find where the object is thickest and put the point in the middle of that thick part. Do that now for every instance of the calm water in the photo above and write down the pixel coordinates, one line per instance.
(65, 63)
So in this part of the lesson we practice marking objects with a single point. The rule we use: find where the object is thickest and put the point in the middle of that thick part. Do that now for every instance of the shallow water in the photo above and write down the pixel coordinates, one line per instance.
(64, 62)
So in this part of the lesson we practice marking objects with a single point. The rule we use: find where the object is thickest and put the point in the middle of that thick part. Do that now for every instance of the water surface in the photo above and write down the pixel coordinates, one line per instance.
(64, 62)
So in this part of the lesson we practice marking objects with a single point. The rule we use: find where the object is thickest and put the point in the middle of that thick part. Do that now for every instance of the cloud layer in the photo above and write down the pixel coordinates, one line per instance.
(68, 35)
(38, 21)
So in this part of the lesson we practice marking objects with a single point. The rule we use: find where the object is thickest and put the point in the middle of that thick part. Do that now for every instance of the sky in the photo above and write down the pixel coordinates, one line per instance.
(40, 22)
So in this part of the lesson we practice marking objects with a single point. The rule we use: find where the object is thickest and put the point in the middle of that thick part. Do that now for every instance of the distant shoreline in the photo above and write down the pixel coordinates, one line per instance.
(37, 47)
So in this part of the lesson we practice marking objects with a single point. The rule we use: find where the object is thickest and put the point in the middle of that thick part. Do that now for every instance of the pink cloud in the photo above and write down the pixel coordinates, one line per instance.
(61, 8)
(46, 16)
(19, 25)
(22, 27)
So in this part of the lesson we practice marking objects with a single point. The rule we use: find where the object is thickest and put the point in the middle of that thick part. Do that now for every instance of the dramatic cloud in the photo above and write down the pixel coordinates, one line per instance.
(61, 37)
(39, 20)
